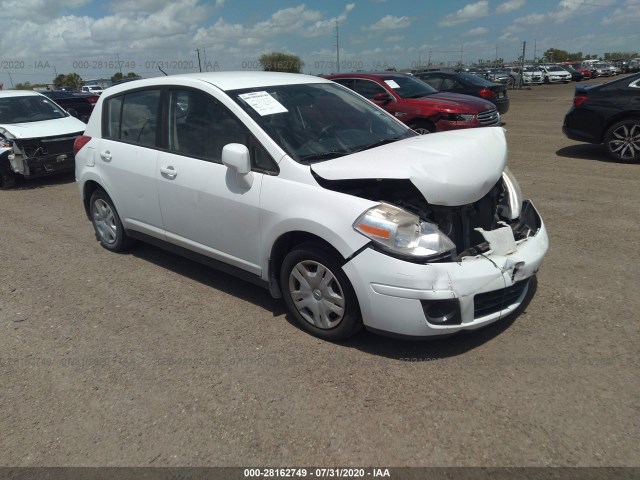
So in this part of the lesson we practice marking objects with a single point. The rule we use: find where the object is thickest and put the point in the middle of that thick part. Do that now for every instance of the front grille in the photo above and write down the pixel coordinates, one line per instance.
(492, 302)
(489, 118)
(49, 145)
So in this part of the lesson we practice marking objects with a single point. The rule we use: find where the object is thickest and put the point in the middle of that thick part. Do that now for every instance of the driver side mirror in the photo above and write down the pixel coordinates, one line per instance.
(382, 97)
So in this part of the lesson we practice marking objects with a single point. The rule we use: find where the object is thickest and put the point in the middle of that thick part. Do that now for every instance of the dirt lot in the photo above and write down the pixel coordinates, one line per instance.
(148, 359)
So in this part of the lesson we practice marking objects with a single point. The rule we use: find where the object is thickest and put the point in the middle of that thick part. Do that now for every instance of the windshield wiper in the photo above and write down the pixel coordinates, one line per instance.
(378, 143)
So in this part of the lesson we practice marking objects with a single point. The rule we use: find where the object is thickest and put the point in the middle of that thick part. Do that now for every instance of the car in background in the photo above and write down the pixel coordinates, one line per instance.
(554, 74)
(79, 105)
(496, 75)
(579, 67)
(634, 65)
(418, 105)
(576, 76)
(527, 75)
(608, 113)
(309, 190)
(468, 84)
(36, 136)
(95, 89)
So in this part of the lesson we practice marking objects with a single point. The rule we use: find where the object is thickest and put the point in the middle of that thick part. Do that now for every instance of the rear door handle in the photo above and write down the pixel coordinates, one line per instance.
(169, 171)
(106, 156)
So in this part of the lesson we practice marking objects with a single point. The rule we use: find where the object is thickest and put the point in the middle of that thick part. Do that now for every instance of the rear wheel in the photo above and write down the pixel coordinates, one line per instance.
(318, 294)
(622, 140)
(106, 223)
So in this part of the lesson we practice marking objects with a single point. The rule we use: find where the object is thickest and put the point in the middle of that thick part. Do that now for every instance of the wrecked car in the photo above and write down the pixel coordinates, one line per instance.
(36, 136)
(301, 186)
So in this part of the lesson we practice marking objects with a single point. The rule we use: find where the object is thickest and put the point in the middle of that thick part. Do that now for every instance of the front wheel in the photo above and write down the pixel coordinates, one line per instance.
(423, 128)
(622, 140)
(106, 223)
(7, 177)
(318, 294)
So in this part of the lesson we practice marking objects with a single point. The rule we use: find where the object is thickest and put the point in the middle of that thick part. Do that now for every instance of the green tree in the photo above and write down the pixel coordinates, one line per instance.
(619, 55)
(68, 80)
(281, 62)
(120, 76)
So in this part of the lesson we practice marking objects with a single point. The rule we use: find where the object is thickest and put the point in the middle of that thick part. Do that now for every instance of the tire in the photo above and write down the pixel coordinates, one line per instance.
(106, 223)
(318, 294)
(423, 128)
(622, 140)
(7, 176)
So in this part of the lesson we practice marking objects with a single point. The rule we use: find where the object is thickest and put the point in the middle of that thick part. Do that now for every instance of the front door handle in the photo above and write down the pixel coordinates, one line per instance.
(169, 171)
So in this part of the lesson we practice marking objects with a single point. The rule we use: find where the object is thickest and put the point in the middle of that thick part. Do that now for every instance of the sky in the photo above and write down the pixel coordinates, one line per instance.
(97, 38)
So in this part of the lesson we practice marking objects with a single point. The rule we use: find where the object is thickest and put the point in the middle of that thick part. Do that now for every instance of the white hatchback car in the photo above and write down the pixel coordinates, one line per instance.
(303, 186)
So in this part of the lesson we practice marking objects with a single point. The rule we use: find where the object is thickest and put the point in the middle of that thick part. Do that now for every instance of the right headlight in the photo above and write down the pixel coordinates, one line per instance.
(402, 233)
(513, 195)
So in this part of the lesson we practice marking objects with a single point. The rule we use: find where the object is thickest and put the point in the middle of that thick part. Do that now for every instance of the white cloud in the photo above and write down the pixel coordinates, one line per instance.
(625, 15)
(468, 12)
(569, 9)
(510, 6)
(532, 19)
(394, 38)
(389, 22)
(477, 31)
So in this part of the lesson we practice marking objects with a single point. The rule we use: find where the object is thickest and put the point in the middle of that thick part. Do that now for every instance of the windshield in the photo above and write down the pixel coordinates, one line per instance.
(474, 79)
(28, 109)
(317, 122)
(555, 69)
(407, 86)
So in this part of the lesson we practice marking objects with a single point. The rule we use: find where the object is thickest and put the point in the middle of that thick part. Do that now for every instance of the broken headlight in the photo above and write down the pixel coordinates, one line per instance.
(402, 233)
(512, 204)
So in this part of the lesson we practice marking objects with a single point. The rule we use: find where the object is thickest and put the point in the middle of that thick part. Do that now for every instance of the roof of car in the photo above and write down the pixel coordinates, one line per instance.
(18, 93)
(226, 80)
(368, 74)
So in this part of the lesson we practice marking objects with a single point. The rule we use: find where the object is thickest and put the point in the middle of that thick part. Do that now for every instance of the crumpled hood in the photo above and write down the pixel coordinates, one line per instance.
(44, 128)
(449, 168)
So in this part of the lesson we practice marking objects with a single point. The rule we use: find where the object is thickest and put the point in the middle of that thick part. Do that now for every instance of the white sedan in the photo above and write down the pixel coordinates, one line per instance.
(555, 74)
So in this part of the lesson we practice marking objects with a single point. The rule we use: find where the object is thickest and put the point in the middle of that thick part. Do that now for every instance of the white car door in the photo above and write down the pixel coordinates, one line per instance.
(204, 206)
(127, 158)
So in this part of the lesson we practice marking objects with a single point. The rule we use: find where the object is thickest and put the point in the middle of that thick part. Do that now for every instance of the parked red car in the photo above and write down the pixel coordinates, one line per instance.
(586, 73)
(419, 105)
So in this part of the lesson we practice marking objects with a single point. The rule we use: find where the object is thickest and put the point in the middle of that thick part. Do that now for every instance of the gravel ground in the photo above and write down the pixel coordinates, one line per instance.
(145, 358)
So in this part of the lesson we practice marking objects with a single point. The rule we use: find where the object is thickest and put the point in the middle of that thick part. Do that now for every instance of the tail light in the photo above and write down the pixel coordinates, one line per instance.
(93, 99)
(487, 93)
(579, 100)
(80, 142)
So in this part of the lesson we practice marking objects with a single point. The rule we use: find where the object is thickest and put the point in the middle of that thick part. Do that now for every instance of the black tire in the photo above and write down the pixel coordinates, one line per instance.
(7, 176)
(423, 127)
(622, 140)
(318, 294)
(106, 223)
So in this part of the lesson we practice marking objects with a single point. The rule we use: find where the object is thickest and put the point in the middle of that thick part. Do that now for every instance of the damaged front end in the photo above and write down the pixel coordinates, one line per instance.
(34, 157)
(472, 228)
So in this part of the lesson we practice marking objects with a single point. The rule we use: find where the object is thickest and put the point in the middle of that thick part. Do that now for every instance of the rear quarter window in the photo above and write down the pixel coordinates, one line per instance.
(133, 117)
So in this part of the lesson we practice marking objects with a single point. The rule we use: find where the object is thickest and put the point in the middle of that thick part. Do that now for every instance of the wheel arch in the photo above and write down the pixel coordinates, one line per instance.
(286, 243)
(627, 115)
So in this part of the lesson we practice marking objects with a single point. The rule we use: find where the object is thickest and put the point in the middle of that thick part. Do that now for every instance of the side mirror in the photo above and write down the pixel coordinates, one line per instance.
(235, 157)
(382, 97)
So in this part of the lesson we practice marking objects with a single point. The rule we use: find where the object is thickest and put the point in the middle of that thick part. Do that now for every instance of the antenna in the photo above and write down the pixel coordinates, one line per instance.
(337, 47)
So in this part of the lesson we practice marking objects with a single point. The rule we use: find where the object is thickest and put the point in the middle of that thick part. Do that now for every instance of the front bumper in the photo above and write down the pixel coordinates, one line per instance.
(44, 165)
(396, 296)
